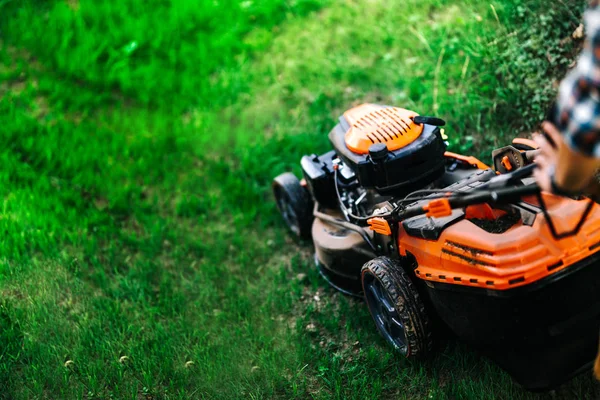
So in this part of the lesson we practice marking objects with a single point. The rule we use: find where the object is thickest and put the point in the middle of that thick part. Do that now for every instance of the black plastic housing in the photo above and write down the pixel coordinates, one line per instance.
(400, 172)
(318, 173)
(542, 334)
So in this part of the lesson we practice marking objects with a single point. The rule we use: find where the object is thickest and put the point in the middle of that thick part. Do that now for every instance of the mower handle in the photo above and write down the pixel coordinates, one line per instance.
(505, 188)
(504, 180)
(443, 207)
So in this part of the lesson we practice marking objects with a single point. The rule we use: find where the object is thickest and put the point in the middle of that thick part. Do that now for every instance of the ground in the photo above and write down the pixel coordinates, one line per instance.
(142, 254)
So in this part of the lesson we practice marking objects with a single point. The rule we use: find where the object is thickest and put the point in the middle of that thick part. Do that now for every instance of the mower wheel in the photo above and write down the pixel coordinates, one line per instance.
(294, 203)
(396, 307)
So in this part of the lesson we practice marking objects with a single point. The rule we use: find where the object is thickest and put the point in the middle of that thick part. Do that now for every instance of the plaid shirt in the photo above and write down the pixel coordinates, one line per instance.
(578, 103)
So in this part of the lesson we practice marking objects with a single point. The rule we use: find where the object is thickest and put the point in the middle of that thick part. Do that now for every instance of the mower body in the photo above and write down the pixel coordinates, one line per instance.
(528, 301)
(494, 275)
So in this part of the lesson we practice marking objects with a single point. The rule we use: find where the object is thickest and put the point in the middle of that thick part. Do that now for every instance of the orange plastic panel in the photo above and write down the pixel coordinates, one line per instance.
(380, 225)
(467, 159)
(467, 255)
(482, 211)
(370, 124)
(438, 208)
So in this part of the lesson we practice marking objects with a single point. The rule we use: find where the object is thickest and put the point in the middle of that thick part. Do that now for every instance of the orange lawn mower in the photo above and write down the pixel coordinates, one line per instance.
(431, 238)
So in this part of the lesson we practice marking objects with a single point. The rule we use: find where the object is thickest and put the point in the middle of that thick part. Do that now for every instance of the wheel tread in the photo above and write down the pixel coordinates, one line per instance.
(400, 287)
(299, 198)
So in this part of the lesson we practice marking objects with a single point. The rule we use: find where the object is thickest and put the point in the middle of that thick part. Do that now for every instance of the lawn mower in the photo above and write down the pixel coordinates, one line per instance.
(441, 242)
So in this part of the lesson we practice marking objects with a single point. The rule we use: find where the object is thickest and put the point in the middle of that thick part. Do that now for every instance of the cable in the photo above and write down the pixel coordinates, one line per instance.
(443, 193)
(344, 224)
(342, 205)
(429, 193)
(550, 221)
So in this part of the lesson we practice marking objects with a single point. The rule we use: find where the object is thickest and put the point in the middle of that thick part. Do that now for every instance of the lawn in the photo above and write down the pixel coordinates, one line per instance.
(142, 254)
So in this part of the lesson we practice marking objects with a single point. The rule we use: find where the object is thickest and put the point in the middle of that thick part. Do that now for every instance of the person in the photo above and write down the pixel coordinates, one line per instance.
(569, 155)
(570, 152)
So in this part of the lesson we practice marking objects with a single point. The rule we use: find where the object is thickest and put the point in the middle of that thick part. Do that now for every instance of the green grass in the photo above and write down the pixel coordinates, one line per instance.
(142, 254)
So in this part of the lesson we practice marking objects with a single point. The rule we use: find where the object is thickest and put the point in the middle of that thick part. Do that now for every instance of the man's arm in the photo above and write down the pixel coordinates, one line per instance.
(572, 164)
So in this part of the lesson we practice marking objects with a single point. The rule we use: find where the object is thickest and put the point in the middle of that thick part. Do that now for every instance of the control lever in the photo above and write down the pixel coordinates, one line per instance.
(419, 119)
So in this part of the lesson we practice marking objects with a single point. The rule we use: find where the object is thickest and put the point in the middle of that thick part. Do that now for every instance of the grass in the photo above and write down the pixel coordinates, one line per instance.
(142, 255)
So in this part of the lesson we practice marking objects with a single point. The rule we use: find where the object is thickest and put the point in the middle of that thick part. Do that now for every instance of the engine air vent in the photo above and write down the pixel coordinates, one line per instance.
(372, 123)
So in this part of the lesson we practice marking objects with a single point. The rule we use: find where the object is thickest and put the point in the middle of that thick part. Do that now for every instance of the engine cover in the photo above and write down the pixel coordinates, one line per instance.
(415, 152)
(370, 124)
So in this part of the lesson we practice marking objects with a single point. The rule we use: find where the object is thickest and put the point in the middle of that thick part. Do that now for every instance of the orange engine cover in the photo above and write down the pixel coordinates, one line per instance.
(370, 124)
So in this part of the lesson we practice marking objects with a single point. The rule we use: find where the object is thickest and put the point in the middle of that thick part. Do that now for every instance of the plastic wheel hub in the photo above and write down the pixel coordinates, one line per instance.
(287, 212)
(387, 319)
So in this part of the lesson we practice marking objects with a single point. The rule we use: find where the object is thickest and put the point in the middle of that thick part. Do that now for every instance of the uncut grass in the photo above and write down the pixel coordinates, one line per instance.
(137, 214)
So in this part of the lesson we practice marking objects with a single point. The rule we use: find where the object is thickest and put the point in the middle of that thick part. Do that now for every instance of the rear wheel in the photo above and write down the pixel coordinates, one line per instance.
(294, 203)
(396, 307)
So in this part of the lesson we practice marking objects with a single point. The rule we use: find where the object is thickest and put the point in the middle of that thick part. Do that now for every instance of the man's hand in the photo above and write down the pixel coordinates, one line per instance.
(548, 157)
(573, 171)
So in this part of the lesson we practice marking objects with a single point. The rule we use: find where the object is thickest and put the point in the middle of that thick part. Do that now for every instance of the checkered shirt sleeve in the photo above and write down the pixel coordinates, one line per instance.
(578, 102)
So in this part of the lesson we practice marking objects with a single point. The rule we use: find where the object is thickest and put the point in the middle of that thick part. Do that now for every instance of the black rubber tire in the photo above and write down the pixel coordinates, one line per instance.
(294, 203)
(401, 294)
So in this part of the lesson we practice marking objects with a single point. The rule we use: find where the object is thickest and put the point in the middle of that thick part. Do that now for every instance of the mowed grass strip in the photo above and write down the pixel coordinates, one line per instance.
(143, 256)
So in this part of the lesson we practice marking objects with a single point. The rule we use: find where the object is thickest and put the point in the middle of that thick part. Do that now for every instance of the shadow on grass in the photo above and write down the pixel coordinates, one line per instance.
(346, 358)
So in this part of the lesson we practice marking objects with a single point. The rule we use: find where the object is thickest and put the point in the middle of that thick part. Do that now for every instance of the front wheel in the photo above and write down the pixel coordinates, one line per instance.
(396, 307)
(294, 203)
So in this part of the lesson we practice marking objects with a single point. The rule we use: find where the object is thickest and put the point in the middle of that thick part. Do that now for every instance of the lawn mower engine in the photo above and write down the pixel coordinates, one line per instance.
(426, 235)
(380, 153)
